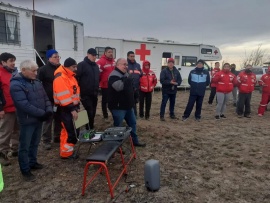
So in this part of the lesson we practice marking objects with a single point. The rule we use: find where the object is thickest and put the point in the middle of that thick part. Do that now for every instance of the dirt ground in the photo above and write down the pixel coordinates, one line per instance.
(209, 161)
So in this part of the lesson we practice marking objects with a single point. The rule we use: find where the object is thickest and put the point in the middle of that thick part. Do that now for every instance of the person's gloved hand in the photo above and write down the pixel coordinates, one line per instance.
(46, 116)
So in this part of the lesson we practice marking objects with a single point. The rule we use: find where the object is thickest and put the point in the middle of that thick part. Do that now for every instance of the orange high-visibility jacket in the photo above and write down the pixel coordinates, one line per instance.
(66, 91)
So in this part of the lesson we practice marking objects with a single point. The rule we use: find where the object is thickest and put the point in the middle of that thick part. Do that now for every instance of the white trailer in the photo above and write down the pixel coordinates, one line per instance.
(185, 55)
(17, 35)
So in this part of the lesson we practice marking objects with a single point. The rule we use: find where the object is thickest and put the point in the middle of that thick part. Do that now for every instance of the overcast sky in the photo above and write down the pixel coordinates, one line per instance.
(235, 26)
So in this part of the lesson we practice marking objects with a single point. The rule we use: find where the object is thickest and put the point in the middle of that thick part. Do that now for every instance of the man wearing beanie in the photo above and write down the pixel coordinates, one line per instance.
(66, 93)
(198, 80)
(46, 76)
(88, 79)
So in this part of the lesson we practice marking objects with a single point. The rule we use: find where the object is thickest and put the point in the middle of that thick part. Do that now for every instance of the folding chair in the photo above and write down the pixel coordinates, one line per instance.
(85, 136)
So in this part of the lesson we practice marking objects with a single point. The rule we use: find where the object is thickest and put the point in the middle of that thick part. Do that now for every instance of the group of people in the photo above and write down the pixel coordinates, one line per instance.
(43, 102)
(223, 82)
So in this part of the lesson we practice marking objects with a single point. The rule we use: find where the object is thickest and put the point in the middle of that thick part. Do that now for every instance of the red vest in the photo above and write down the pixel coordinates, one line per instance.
(148, 81)
(224, 81)
(265, 83)
(246, 82)
(5, 77)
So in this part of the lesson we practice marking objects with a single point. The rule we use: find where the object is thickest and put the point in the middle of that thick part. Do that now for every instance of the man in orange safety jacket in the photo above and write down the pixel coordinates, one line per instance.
(66, 93)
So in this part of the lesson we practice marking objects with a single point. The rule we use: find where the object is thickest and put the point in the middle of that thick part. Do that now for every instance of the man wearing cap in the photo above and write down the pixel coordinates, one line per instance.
(106, 66)
(46, 76)
(88, 80)
(198, 80)
(170, 78)
(66, 93)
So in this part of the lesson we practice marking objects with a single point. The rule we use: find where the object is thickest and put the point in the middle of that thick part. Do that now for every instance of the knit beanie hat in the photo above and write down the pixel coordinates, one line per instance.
(69, 62)
(50, 52)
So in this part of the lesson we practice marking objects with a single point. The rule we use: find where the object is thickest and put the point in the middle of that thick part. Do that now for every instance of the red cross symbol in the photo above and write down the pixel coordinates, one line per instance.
(142, 52)
(215, 52)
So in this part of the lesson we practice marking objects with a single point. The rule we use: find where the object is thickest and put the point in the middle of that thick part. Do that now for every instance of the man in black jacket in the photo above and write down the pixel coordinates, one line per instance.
(121, 98)
(88, 80)
(170, 78)
(46, 76)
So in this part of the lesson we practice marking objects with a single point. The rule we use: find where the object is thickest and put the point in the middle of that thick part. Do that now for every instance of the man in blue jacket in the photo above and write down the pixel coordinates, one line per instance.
(198, 80)
(33, 107)
(170, 78)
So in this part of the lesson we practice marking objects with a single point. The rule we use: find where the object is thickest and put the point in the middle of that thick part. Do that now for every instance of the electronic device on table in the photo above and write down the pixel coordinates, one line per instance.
(116, 133)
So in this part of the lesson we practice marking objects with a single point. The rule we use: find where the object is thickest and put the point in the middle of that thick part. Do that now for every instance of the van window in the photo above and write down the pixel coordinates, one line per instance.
(206, 51)
(189, 61)
(176, 60)
(101, 50)
(165, 57)
(257, 71)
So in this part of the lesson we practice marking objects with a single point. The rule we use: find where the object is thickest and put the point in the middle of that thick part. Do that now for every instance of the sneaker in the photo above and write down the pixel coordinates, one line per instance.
(173, 117)
(198, 119)
(140, 145)
(162, 119)
(47, 146)
(141, 116)
(37, 166)
(184, 118)
(247, 116)
(210, 103)
(28, 176)
(240, 116)
(12, 154)
(56, 140)
(217, 117)
(4, 160)
(222, 116)
(260, 115)
(146, 117)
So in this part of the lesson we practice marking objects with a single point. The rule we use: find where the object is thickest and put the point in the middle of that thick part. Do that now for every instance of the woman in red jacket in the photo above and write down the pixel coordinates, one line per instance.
(225, 81)
(147, 83)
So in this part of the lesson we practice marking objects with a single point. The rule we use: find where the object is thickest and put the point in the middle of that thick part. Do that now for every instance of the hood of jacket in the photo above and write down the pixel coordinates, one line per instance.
(64, 71)
(146, 70)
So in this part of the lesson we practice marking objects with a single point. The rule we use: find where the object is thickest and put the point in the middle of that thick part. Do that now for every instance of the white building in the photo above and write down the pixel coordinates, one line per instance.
(17, 34)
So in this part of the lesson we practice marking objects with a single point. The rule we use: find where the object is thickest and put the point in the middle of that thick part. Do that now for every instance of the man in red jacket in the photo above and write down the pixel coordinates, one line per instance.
(213, 84)
(265, 83)
(9, 135)
(246, 81)
(147, 83)
(106, 66)
(225, 81)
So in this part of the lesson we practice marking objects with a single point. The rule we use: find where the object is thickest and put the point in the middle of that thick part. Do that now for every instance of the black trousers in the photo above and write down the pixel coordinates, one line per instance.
(145, 97)
(244, 103)
(104, 102)
(90, 105)
(136, 99)
(212, 95)
(191, 101)
(67, 120)
(55, 123)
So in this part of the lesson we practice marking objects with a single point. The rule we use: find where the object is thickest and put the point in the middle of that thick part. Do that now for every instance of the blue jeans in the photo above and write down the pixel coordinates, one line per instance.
(191, 101)
(129, 116)
(29, 140)
(165, 98)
